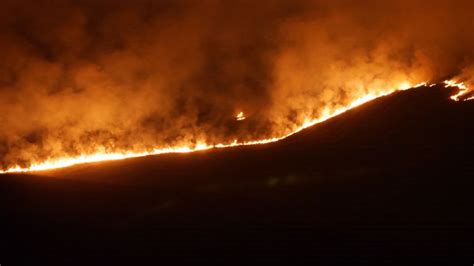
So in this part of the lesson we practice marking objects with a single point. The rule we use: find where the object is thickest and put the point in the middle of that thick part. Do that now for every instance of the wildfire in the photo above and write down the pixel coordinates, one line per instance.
(463, 90)
(240, 116)
(325, 115)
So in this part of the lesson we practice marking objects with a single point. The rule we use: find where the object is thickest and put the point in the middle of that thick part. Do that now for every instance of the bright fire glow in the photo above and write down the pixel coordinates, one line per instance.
(463, 90)
(240, 116)
(325, 115)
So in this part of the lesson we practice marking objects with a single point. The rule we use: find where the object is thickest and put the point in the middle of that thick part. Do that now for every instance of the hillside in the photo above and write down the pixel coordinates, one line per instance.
(392, 177)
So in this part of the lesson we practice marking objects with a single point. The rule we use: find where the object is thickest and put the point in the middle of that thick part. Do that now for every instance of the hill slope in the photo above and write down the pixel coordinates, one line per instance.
(392, 177)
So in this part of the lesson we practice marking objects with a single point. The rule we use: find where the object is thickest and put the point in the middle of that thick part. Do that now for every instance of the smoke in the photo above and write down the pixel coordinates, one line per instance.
(79, 77)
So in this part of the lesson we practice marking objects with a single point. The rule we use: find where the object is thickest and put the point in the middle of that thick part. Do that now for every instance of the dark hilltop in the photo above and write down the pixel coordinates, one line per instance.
(392, 178)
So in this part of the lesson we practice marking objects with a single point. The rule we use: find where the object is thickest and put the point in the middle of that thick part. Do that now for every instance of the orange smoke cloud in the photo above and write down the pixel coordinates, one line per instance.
(114, 77)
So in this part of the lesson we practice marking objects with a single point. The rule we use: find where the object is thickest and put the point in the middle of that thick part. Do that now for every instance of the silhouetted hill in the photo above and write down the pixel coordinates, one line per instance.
(391, 178)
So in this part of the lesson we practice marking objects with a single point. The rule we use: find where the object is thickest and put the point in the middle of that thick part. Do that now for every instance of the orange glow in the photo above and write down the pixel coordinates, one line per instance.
(327, 113)
(463, 90)
(240, 116)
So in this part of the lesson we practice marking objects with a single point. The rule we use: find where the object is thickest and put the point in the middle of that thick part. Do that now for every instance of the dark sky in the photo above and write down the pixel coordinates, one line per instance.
(97, 75)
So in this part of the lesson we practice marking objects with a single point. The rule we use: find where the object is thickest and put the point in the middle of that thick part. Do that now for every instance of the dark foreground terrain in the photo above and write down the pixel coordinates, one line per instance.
(390, 179)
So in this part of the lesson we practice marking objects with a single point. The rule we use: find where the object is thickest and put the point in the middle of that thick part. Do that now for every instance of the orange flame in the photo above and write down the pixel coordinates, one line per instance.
(327, 113)
(463, 90)
(240, 116)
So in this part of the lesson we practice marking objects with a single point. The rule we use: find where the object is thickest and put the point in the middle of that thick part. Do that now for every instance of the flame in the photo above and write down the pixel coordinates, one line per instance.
(326, 114)
(463, 90)
(240, 116)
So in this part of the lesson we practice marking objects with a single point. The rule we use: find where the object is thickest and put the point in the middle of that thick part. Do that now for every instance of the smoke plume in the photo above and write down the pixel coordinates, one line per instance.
(87, 76)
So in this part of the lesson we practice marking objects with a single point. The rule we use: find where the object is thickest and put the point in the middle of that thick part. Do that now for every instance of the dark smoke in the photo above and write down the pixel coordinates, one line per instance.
(85, 76)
